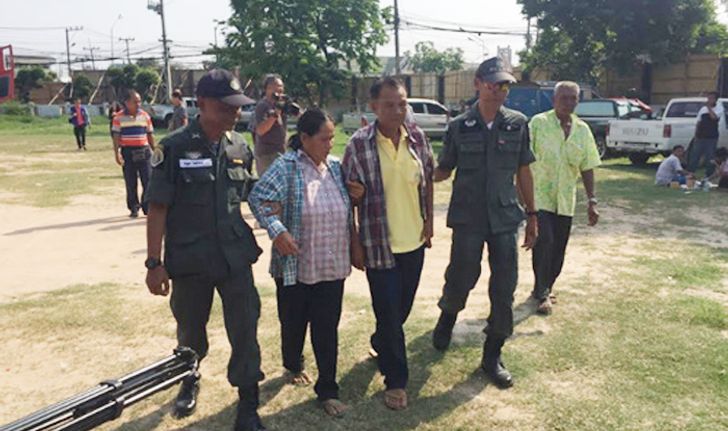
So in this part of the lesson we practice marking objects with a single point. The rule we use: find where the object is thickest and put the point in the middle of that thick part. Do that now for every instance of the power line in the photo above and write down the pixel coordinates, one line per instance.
(463, 30)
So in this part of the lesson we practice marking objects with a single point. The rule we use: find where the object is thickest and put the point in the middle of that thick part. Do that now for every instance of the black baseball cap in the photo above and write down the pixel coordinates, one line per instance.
(495, 70)
(223, 85)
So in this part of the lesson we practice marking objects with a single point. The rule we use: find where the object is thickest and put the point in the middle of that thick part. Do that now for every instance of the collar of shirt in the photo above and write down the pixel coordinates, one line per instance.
(474, 114)
(388, 145)
(305, 159)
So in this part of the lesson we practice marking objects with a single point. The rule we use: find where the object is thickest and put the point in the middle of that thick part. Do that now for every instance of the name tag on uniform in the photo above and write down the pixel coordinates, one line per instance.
(195, 163)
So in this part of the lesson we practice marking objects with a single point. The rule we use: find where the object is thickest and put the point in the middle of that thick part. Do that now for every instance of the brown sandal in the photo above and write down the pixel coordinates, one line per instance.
(334, 407)
(299, 379)
(395, 399)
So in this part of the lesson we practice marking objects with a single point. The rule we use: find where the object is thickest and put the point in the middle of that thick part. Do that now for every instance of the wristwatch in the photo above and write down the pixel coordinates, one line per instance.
(152, 262)
(593, 200)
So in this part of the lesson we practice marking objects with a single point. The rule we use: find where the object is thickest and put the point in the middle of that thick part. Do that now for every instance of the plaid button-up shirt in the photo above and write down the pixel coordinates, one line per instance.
(283, 182)
(361, 163)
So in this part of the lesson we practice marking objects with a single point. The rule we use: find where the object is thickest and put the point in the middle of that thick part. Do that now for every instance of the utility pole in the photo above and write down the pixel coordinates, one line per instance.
(68, 55)
(127, 40)
(528, 35)
(159, 8)
(112, 37)
(396, 38)
(91, 50)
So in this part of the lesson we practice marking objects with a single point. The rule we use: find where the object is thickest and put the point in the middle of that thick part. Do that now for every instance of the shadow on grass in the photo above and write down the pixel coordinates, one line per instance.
(83, 223)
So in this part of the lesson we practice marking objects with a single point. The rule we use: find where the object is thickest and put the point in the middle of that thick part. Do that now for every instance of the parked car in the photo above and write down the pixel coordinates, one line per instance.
(650, 135)
(535, 97)
(430, 115)
(162, 113)
(598, 112)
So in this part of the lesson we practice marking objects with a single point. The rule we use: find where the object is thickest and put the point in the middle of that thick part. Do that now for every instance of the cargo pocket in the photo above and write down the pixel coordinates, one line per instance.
(241, 183)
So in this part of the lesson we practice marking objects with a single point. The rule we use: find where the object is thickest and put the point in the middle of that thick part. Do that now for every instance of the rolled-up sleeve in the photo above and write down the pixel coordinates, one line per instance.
(591, 158)
(272, 187)
(526, 157)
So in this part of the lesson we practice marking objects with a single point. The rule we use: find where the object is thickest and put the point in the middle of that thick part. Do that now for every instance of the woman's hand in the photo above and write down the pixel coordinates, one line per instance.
(285, 244)
(356, 191)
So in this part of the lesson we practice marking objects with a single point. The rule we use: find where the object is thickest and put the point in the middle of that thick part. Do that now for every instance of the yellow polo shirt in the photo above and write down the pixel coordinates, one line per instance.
(401, 178)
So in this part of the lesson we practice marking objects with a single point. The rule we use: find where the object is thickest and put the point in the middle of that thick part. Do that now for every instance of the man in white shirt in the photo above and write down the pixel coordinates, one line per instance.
(671, 169)
(706, 135)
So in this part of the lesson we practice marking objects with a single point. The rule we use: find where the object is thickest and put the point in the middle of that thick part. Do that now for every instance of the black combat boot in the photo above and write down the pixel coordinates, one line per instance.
(247, 418)
(492, 365)
(187, 397)
(443, 330)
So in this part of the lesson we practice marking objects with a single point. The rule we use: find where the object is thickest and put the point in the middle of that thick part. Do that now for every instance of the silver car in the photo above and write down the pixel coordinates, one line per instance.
(430, 115)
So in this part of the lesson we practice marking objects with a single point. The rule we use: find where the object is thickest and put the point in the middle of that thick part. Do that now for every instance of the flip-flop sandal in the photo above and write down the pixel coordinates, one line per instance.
(395, 399)
(553, 299)
(334, 407)
(299, 379)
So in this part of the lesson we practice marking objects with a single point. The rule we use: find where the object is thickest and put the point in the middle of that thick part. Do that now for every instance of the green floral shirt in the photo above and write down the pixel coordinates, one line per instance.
(560, 161)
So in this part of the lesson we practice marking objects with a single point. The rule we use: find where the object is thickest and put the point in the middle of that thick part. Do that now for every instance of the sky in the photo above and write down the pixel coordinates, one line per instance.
(37, 27)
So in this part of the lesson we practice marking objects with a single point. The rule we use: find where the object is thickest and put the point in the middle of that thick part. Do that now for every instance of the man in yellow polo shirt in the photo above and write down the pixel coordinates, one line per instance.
(392, 159)
(565, 149)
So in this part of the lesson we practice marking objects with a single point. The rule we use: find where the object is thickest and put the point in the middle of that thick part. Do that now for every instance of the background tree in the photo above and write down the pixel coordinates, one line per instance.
(29, 78)
(82, 86)
(122, 78)
(427, 59)
(312, 44)
(578, 38)
(145, 80)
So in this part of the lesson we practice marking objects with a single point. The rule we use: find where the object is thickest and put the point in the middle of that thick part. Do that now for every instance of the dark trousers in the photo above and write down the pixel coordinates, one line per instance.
(191, 301)
(702, 149)
(80, 133)
(549, 251)
(136, 166)
(464, 269)
(320, 306)
(393, 293)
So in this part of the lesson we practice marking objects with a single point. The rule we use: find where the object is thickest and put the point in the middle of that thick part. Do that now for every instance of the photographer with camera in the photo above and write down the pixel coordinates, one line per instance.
(271, 114)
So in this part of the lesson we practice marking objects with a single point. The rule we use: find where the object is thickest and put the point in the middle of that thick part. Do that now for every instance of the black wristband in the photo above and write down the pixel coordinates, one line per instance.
(531, 213)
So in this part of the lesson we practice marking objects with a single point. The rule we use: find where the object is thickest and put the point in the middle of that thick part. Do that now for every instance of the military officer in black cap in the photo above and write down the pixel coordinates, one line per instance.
(200, 175)
(488, 145)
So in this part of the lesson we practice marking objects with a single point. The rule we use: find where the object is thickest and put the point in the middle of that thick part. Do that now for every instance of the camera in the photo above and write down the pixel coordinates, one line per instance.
(285, 104)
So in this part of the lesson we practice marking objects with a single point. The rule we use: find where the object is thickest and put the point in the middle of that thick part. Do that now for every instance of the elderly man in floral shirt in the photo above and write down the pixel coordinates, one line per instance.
(565, 149)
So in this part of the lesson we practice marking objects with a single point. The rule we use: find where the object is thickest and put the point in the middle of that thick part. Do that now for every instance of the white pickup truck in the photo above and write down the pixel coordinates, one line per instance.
(430, 115)
(642, 138)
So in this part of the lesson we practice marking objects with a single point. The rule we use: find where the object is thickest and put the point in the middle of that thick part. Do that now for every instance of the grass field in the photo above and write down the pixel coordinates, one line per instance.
(638, 341)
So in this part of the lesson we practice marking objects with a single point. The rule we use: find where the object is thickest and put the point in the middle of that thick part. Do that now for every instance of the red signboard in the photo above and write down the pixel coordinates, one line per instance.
(7, 74)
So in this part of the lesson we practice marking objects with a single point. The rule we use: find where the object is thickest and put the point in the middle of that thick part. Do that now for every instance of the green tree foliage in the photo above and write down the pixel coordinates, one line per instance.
(427, 59)
(312, 44)
(145, 80)
(579, 37)
(82, 86)
(122, 78)
(28, 78)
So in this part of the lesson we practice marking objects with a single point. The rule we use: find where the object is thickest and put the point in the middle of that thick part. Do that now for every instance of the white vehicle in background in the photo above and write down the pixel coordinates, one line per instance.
(430, 115)
(162, 113)
(642, 138)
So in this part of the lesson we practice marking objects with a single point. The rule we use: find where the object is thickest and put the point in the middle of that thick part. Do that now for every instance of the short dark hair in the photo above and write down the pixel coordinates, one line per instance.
(310, 123)
(677, 147)
(269, 79)
(721, 153)
(376, 89)
(712, 93)
(176, 93)
(130, 93)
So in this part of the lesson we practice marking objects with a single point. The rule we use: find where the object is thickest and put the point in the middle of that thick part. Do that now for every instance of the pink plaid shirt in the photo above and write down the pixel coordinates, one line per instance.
(324, 244)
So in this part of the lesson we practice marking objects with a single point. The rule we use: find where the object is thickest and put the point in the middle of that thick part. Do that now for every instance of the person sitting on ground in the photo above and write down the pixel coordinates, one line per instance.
(671, 168)
(720, 174)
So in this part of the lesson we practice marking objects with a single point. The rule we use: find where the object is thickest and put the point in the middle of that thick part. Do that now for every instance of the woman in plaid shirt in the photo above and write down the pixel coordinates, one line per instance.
(311, 246)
